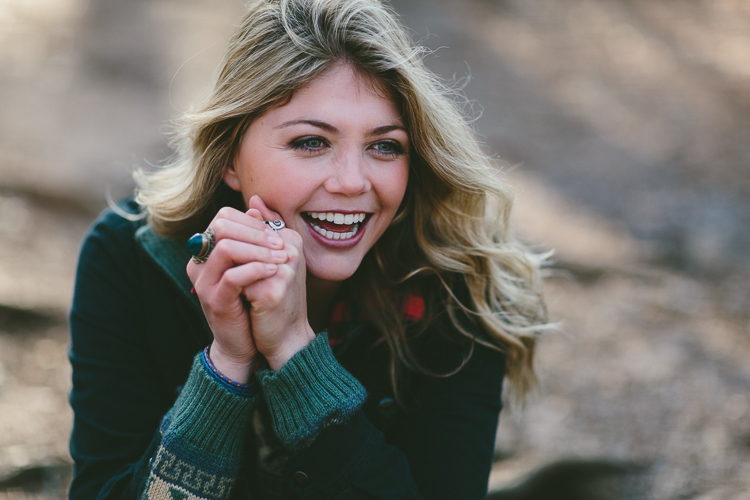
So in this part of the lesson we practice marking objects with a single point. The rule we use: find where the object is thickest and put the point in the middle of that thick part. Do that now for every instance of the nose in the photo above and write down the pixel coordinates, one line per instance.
(348, 176)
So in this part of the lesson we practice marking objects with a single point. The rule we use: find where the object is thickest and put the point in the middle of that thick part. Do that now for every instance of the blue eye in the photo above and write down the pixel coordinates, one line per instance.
(312, 144)
(388, 149)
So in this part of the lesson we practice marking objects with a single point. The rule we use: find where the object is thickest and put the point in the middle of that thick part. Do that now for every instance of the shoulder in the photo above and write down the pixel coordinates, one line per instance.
(109, 251)
(111, 225)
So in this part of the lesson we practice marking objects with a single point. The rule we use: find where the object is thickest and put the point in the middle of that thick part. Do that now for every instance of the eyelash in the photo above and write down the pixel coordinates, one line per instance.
(396, 148)
(301, 145)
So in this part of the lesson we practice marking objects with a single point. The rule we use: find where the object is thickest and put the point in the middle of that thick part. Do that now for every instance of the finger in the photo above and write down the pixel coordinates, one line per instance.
(292, 246)
(269, 292)
(254, 233)
(231, 253)
(238, 278)
(228, 254)
(257, 203)
(255, 214)
(234, 215)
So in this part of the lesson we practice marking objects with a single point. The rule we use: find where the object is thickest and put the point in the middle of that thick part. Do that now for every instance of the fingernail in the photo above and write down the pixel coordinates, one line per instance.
(278, 254)
(271, 267)
(275, 240)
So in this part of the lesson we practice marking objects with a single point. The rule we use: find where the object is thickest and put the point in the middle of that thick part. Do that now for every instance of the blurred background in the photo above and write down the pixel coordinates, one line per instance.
(624, 126)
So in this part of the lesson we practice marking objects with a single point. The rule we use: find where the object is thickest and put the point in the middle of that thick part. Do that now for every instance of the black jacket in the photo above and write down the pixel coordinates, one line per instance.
(136, 329)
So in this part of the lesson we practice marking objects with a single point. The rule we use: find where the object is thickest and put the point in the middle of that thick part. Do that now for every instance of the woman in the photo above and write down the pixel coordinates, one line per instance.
(353, 300)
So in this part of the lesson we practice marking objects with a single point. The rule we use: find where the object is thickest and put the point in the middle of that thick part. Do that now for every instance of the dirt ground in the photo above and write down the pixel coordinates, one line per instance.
(623, 126)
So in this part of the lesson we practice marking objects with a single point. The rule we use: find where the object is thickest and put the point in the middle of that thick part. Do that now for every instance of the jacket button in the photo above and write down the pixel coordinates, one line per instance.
(300, 478)
(387, 408)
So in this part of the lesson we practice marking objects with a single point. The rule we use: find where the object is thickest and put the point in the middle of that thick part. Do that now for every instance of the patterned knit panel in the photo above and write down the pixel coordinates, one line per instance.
(180, 471)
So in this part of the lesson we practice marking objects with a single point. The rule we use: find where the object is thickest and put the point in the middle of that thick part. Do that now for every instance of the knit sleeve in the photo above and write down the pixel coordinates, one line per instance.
(311, 392)
(201, 441)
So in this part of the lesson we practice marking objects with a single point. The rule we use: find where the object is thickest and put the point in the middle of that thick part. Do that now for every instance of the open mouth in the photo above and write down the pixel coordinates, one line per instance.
(336, 225)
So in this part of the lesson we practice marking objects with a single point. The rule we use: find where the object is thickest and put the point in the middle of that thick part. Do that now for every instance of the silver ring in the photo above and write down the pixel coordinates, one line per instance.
(276, 225)
(201, 245)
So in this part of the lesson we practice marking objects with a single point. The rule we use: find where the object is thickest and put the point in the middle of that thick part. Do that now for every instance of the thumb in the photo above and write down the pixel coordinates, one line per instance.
(257, 203)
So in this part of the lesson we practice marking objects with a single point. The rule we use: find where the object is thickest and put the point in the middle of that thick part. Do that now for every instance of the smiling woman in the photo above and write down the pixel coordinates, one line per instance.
(354, 299)
(346, 149)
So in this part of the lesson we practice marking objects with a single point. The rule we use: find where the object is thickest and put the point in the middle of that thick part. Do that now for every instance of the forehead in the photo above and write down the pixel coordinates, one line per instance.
(340, 92)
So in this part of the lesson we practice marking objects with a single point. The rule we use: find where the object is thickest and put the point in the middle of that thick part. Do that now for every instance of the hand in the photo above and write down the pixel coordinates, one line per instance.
(245, 253)
(278, 304)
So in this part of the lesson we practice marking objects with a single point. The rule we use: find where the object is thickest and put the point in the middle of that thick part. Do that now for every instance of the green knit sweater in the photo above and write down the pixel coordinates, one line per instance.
(202, 435)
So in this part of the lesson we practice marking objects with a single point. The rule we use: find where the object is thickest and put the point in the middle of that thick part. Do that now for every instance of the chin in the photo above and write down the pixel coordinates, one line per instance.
(334, 272)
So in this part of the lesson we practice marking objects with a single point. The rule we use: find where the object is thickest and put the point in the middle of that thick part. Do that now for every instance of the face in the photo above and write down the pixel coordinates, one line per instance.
(334, 163)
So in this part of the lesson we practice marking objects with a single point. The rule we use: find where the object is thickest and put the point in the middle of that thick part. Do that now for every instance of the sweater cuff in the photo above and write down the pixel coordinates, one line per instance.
(312, 391)
(208, 415)
(202, 435)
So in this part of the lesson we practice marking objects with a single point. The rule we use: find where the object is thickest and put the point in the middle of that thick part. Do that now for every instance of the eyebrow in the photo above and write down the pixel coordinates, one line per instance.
(315, 123)
(383, 129)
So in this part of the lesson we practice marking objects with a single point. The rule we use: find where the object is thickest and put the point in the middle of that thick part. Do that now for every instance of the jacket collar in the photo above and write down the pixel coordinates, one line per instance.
(171, 256)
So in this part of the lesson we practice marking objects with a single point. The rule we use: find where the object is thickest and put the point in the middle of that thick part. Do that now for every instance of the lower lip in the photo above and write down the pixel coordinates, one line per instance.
(342, 244)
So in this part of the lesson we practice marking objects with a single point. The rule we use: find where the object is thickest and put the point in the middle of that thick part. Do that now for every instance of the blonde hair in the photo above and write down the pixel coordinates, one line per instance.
(453, 222)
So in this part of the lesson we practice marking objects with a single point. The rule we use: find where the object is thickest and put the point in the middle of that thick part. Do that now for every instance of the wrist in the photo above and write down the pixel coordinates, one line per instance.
(235, 369)
(292, 346)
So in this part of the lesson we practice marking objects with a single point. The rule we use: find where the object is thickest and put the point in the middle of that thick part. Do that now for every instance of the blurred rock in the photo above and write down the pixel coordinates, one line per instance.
(41, 481)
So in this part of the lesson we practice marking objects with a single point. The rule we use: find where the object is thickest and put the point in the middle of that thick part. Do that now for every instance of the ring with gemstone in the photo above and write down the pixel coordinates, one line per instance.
(201, 245)
(276, 225)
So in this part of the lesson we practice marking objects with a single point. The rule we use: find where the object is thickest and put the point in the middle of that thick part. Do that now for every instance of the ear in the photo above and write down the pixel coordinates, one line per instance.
(230, 177)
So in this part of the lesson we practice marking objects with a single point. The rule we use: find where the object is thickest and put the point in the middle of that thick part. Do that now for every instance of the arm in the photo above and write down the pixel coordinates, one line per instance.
(314, 403)
(121, 390)
(201, 438)
(442, 450)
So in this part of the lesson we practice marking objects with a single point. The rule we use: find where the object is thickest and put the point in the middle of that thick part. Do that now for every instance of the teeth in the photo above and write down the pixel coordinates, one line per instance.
(338, 218)
(336, 236)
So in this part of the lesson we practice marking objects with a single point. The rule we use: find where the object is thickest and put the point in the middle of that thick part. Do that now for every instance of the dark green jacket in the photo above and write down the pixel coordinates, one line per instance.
(149, 416)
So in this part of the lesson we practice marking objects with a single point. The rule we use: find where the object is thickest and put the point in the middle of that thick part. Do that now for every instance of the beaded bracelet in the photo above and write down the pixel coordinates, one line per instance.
(237, 388)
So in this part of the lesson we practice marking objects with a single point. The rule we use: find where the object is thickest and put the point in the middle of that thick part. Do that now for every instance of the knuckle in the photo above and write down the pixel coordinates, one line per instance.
(222, 247)
(293, 251)
(224, 213)
(219, 226)
(230, 279)
(276, 293)
(286, 273)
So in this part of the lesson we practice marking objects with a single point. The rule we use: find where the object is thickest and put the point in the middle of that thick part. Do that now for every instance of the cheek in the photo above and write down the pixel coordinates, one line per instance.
(285, 195)
(396, 188)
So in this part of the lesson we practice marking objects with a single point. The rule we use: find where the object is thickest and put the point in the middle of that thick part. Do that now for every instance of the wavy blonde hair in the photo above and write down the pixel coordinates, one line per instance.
(453, 223)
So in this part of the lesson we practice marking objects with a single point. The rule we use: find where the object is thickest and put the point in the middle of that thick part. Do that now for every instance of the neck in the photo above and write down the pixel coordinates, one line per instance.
(320, 297)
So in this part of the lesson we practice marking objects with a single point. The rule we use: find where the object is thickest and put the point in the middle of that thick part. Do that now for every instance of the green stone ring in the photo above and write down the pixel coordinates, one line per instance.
(201, 244)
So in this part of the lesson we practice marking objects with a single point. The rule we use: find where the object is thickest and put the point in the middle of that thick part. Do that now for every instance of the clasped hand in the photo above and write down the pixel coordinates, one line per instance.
(252, 290)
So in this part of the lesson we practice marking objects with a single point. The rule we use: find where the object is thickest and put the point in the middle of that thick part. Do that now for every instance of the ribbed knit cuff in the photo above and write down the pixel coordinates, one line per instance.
(309, 393)
(208, 415)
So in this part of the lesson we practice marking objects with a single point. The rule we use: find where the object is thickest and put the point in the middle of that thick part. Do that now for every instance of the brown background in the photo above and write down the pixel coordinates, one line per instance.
(624, 124)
